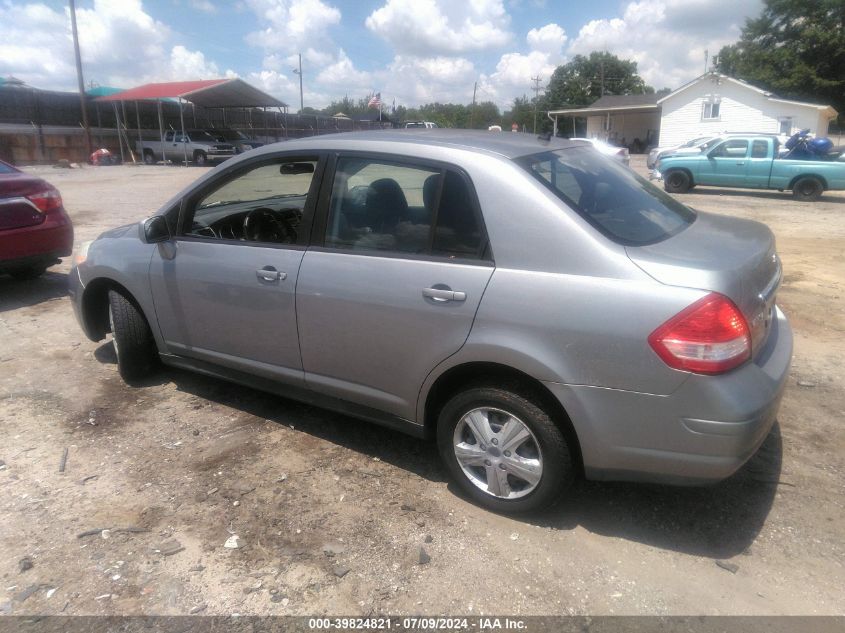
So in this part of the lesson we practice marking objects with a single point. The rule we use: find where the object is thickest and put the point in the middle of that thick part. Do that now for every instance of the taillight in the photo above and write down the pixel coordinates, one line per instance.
(47, 199)
(709, 337)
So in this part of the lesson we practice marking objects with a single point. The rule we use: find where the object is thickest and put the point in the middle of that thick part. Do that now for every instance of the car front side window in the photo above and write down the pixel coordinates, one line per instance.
(264, 204)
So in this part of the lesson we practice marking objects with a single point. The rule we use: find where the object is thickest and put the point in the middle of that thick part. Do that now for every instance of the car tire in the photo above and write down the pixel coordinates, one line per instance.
(132, 338)
(149, 157)
(27, 273)
(807, 189)
(528, 475)
(200, 159)
(677, 181)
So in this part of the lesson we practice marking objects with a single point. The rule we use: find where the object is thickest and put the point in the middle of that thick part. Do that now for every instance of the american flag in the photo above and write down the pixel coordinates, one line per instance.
(375, 101)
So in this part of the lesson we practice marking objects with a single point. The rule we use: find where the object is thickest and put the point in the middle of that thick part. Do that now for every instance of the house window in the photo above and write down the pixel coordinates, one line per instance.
(710, 109)
(785, 125)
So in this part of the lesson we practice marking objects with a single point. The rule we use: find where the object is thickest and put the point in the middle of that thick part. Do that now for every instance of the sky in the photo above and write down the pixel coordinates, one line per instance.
(410, 51)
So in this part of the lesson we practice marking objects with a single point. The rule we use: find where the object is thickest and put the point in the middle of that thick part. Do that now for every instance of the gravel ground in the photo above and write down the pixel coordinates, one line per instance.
(337, 516)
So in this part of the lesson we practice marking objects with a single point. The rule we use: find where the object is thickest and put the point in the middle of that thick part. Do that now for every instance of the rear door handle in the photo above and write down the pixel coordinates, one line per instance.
(268, 273)
(443, 294)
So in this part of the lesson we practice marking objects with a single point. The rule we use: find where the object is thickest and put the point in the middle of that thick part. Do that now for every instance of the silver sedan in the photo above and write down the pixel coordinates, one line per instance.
(538, 309)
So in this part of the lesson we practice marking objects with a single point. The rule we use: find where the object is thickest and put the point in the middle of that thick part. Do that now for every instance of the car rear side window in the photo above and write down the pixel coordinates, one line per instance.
(759, 149)
(379, 205)
(619, 203)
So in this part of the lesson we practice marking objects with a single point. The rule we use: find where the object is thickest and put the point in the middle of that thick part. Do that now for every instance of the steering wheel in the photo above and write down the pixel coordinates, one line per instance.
(263, 225)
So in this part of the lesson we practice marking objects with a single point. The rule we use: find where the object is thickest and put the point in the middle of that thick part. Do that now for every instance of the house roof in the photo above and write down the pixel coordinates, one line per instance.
(616, 101)
(210, 93)
(714, 76)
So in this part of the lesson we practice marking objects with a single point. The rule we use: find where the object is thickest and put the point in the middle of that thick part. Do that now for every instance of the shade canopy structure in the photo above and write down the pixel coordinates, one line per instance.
(207, 93)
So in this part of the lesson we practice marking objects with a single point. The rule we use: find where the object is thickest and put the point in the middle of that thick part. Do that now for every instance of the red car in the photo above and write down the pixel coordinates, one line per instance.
(35, 229)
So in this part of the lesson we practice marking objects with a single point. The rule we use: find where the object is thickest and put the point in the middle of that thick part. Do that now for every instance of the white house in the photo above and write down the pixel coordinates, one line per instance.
(714, 103)
(710, 104)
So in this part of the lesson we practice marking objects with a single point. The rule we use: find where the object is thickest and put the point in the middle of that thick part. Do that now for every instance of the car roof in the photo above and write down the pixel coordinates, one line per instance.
(507, 144)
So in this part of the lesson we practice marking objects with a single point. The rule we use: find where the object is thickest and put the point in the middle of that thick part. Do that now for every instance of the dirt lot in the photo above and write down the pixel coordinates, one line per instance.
(174, 469)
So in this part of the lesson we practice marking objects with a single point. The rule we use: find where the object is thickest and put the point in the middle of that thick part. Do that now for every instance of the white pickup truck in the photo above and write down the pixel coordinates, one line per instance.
(193, 145)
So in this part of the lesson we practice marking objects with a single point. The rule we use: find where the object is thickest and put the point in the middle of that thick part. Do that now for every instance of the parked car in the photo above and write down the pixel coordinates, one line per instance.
(540, 310)
(35, 230)
(617, 153)
(751, 162)
(429, 125)
(240, 141)
(194, 145)
(690, 147)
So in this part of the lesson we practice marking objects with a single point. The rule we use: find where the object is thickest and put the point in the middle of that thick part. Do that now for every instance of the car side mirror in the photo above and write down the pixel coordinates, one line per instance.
(156, 229)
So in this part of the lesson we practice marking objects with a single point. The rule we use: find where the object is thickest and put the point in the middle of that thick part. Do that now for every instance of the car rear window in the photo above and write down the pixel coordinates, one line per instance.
(7, 169)
(620, 204)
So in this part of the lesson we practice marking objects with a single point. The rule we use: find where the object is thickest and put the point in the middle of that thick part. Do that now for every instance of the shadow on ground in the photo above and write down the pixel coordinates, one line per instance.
(717, 521)
(16, 294)
(756, 193)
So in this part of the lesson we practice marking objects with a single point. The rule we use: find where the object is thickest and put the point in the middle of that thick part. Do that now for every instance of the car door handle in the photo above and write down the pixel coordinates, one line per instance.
(443, 294)
(270, 274)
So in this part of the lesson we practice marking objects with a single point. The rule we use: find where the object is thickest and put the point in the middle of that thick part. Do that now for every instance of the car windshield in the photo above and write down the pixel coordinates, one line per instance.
(200, 135)
(228, 135)
(697, 141)
(619, 203)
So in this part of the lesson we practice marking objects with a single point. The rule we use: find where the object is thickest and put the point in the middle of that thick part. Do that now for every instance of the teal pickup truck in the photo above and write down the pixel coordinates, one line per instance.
(750, 162)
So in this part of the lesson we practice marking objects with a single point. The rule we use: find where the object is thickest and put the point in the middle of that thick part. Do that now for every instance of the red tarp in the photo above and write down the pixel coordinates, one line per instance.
(210, 93)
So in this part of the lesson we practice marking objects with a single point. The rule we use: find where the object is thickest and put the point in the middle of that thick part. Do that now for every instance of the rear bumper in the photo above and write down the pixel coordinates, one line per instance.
(704, 431)
(33, 245)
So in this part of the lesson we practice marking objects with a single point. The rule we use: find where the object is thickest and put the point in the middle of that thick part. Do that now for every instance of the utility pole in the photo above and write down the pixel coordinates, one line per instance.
(299, 72)
(706, 55)
(536, 80)
(472, 108)
(602, 77)
(80, 78)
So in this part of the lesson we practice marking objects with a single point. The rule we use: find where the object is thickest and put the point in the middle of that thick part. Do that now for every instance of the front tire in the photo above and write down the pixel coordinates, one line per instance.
(132, 339)
(677, 182)
(200, 159)
(807, 189)
(504, 450)
(149, 157)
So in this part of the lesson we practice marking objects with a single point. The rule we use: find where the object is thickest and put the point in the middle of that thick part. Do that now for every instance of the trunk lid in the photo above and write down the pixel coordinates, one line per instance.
(16, 211)
(731, 256)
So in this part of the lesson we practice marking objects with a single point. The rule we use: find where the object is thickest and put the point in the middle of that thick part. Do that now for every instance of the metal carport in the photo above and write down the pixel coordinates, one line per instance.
(207, 93)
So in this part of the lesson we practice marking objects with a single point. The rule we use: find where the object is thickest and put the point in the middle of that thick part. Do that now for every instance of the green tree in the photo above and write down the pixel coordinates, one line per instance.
(795, 48)
(521, 113)
(586, 78)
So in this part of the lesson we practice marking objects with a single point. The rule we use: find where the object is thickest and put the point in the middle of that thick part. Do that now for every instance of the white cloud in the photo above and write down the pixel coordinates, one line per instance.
(416, 80)
(121, 45)
(193, 64)
(206, 6)
(667, 38)
(432, 27)
(514, 71)
(343, 73)
(291, 24)
(548, 39)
